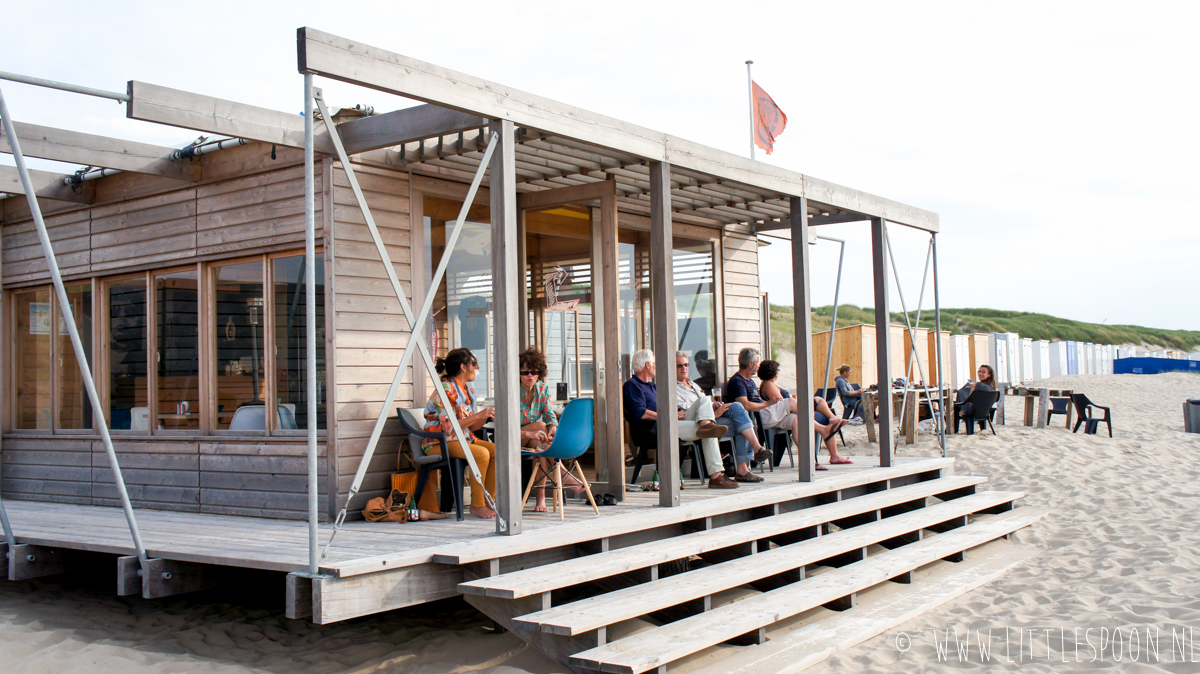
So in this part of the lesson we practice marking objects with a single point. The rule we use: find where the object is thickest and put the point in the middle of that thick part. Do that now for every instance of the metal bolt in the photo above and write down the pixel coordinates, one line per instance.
(30, 558)
(166, 575)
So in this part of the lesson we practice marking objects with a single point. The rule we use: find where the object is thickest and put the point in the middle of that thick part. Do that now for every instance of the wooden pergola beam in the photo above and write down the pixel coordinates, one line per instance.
(567, 195)
(88, 149)
(351, 61)
(163, 105)
(46, 185)
(403, 126)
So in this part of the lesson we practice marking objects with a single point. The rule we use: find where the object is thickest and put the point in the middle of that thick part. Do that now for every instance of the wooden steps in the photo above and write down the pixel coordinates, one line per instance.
(593, 567)
(813, 643)
(659, 646)
(591, 614)
(595, 530)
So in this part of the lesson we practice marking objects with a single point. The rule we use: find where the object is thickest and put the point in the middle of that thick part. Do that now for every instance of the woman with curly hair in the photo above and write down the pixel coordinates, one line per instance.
(538, 421)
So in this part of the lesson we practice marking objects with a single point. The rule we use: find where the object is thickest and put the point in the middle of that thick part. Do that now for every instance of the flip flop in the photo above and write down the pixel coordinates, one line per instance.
(820, 467)
(837, 463)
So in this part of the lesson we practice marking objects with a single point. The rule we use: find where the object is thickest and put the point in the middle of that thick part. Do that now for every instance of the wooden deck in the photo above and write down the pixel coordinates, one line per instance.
(282, 545)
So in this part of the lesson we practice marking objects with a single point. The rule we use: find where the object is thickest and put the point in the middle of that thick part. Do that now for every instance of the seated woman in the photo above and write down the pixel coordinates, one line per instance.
(987, 382)
(538, 421)
(457, 370)
(852, 398)
(782, 414)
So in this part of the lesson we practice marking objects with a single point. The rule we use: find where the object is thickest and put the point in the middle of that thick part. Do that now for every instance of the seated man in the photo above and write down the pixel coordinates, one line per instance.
(694, 405)
(640, 398)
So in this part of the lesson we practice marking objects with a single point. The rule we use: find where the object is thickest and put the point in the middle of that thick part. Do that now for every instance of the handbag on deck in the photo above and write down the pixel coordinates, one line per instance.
(392, 509)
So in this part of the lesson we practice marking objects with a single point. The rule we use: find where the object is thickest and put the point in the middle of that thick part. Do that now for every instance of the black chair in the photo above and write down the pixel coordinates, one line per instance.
(830, 395)
(1058, 406)
(1083, 408)
(822, 419)
(980, 411)
(452, 476)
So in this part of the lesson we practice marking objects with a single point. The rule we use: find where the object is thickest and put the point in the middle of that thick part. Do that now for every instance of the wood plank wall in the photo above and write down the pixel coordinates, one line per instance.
(743, 312)
(241, 215)
(370, 331)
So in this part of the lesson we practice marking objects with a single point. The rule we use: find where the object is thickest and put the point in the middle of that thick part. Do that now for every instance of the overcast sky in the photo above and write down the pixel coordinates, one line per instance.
(1057, 141)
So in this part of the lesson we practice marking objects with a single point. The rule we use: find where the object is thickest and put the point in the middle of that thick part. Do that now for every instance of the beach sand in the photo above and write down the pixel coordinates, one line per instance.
(1119, 548)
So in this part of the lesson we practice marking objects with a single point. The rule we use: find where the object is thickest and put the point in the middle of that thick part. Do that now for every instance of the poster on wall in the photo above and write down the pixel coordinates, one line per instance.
(39, 318)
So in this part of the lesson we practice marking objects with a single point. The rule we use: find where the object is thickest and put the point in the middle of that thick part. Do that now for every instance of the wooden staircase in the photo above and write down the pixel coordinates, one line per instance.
(649, 595)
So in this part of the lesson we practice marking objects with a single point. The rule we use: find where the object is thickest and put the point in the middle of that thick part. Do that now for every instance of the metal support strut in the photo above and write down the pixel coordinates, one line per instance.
(310, 321)
(416, 324)
(912, 333)
(937, 316)
(837, 290)
(72, 329)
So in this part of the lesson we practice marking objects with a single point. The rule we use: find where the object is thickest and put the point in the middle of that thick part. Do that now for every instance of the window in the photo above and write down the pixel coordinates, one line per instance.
(50, 392)
(74, 406)
(291, 356)
(177, 350)
(128, 401)
(238, 334)
(32, 346)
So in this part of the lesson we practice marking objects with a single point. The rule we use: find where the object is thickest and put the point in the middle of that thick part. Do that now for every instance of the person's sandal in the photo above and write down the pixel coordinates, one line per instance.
(748, 477)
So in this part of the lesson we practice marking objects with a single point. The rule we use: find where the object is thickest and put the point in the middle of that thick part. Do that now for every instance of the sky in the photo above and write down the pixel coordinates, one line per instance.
(1056, 141)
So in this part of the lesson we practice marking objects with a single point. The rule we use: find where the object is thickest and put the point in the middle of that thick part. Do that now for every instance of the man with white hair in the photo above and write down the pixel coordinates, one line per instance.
(695, 405)
(641, 410)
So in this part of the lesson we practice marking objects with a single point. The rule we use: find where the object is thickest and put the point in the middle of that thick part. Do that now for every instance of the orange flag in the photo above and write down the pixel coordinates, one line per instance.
(769, 120)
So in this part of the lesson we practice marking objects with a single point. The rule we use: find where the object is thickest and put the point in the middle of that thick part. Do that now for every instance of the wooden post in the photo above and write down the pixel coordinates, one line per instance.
(505, 302)
(805, 448)
(664, 327)
(882, 329)
(1043, 407)
(523, 294)
(607, 308)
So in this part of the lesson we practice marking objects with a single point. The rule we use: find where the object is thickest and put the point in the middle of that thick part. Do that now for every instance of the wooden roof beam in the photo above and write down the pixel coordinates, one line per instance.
(351, 61)
(46, 185)
(402, 126)
(46, 142)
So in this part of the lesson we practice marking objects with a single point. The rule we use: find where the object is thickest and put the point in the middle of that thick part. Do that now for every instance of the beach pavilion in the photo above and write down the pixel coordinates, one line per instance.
(490, 219)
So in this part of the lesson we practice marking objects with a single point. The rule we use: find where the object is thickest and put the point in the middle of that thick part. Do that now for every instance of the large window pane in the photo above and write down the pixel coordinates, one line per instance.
(32, 351)
(176, 298)
(290, 296)
(128, 402)
(74, 408)
(693, 276)
(239, 340)
(466, 290)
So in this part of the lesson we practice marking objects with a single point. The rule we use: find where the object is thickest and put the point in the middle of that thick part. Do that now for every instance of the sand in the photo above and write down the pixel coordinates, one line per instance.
(1120, 548)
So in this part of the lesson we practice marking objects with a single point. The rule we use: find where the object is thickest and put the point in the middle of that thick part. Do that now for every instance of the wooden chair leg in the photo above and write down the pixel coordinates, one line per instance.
(586, 487)
(537, 464)
(559, 504)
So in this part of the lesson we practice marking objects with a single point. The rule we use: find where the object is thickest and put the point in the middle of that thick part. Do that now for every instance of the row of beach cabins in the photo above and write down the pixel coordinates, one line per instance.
(1016, 359)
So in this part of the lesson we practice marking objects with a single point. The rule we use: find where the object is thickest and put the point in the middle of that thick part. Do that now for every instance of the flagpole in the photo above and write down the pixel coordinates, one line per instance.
(750, 94)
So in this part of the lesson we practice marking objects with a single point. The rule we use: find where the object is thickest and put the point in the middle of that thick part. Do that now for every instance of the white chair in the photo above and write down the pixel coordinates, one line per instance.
(139, 419)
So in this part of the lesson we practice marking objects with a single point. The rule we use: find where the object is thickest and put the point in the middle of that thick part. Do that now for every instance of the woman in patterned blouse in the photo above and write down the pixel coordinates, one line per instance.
(538, 422)
(458, 370)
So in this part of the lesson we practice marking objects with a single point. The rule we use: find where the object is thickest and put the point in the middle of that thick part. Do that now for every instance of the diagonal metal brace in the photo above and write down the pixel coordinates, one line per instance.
(912, 333)
(417, 324)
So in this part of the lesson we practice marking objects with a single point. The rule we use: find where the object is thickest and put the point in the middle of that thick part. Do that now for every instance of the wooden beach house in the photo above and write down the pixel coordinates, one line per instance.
(485, 218)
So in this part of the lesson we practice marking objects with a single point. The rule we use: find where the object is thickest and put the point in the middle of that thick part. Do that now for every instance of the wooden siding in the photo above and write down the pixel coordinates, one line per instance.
(249, 214)
(743, 312)
(370, 330)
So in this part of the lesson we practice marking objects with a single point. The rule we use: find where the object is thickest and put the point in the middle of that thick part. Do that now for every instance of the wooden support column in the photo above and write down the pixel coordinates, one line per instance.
(806, 450)
(523, 295)
(506, 290)
(607, 307)
(882, 329)
(664, 329)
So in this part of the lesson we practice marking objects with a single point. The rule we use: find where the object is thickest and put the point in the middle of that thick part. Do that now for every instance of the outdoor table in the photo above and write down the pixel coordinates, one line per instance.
(908, 424)
(1042, 395)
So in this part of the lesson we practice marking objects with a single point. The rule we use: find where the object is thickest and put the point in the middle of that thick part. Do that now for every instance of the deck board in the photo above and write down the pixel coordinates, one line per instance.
(282, 545)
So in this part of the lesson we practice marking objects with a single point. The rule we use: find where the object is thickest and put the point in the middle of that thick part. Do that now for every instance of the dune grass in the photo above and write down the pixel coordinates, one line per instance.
(967, 321)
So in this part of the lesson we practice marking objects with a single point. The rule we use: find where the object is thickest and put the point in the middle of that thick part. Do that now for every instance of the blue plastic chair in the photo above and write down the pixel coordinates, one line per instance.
(576, 431)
